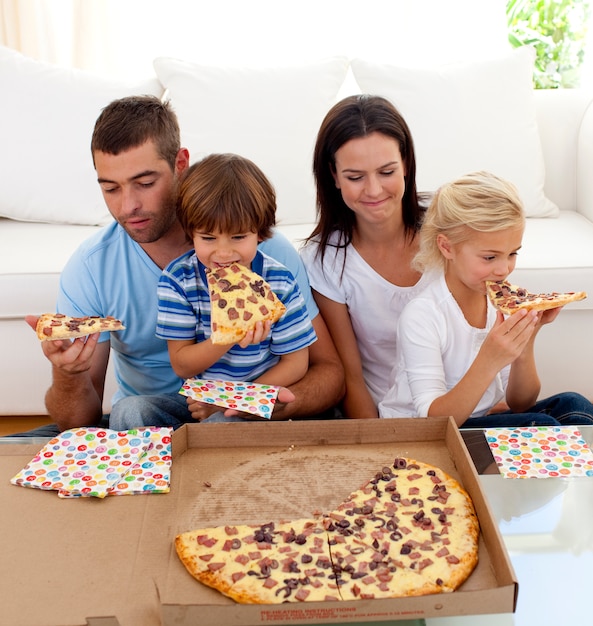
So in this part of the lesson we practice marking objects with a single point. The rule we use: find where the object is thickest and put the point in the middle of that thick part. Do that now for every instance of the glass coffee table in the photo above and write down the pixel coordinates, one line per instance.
(547, 527)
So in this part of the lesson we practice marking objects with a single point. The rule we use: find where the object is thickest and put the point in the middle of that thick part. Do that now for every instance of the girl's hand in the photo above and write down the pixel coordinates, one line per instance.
(547, 317)
(508, 337)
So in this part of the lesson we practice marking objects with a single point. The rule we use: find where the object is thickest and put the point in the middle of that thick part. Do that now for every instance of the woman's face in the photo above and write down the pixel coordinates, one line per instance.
(370, 175)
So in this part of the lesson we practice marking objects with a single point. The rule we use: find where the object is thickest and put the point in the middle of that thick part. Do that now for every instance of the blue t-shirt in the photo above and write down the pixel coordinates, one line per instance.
(184, 313)
(110, 274)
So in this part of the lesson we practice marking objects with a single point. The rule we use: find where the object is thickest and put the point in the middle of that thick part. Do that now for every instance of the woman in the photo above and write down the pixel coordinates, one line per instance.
(358, 257)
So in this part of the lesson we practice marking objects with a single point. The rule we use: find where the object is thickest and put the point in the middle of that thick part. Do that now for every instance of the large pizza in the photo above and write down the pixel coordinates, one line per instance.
(410, 530)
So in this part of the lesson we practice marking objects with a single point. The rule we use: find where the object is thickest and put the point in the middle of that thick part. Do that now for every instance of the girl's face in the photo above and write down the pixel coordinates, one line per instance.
(482, 257)
(218, 249)
(371, 177)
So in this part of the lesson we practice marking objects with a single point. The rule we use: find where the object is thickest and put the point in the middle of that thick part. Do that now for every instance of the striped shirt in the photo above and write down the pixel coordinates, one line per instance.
(184, 314)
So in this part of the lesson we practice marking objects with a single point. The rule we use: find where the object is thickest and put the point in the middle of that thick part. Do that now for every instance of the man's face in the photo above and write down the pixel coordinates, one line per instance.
(139, 189)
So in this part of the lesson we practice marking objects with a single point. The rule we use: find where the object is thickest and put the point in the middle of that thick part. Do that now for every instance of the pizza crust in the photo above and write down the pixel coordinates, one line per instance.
(509, 298)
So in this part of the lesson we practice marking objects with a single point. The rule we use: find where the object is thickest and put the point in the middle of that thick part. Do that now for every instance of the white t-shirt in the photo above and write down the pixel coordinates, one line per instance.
(435, 348)
(374, 305)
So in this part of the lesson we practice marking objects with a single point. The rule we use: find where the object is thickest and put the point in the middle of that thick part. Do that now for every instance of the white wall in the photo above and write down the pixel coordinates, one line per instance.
(121, 37)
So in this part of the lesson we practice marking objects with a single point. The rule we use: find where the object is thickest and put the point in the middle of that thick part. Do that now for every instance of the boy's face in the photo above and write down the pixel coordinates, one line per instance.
(218, 249)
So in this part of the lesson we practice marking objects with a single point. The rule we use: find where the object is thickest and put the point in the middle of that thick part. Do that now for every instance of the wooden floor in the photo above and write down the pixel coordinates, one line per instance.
(19, 423)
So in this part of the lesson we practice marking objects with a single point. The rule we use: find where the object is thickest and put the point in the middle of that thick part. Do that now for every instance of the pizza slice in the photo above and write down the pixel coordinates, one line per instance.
(419, 517)
(53, 326)
(262, 564)
(239, 298)
(509, 298)
(366, 571)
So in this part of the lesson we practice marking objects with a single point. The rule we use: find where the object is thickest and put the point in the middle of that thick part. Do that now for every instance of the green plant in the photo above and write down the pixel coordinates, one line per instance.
(557, 30)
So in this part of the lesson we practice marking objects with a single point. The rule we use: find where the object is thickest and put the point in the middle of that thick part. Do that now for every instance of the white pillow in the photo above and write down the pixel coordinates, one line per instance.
(47, 115)
(469, 116)
(269, 115)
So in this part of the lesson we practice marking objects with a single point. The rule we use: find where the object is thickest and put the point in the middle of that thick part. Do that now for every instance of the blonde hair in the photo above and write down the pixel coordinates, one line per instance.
(479, 201)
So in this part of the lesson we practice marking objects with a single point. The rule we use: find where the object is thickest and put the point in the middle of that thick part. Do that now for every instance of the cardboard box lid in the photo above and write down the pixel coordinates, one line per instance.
(67, 561)
(291, 470)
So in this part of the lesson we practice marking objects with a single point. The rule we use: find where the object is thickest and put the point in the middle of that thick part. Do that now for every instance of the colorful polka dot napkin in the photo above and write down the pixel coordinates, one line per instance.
(100, 462)
(540, 452)
(244, 397)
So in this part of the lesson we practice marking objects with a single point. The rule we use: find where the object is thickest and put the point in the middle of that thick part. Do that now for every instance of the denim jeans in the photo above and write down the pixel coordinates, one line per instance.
(164, 410)
(563, 409)
(168, 409)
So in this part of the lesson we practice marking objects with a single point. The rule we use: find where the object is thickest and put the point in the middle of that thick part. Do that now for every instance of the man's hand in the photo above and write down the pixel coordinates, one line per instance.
(72, 357)
(75, 396)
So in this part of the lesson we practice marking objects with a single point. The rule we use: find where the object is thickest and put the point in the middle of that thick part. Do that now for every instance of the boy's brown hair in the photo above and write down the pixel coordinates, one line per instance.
(226, 193)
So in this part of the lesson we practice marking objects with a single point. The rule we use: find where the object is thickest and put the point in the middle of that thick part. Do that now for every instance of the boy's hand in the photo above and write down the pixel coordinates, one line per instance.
(257, 335)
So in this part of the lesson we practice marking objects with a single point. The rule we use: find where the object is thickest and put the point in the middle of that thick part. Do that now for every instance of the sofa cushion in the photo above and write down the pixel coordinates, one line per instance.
(46, 122)
(269, 115)
(557, 255)
(469, 116)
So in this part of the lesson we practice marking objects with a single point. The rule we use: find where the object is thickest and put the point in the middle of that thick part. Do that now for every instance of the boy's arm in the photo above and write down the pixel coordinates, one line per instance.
(320, 389)
(289, 369)
(188, 358)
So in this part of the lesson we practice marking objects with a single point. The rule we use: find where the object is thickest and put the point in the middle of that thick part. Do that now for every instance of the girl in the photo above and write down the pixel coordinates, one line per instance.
(457, 355)
(358, 257)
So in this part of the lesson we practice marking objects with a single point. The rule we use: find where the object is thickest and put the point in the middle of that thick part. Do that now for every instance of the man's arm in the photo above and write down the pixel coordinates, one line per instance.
(75, 397)
(322, 387)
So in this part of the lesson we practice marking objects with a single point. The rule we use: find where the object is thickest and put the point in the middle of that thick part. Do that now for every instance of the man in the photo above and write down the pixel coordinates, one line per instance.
(139, 161)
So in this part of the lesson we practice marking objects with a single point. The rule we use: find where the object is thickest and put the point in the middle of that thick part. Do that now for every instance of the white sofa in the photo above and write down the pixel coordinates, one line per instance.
(467, 116)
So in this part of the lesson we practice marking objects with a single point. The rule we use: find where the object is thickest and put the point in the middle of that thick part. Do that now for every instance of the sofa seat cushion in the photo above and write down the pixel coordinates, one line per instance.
(557, 255)
(32, 256)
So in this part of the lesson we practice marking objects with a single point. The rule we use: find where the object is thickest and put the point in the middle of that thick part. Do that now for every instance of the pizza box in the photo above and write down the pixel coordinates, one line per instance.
(112, 562)
(277, 471)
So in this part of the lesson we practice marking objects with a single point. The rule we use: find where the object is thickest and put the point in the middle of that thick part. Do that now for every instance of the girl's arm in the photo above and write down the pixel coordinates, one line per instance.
(506, 342)
(524, 383)
(188, 358)
(461, 400)
(357, 402)
(289, 369)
